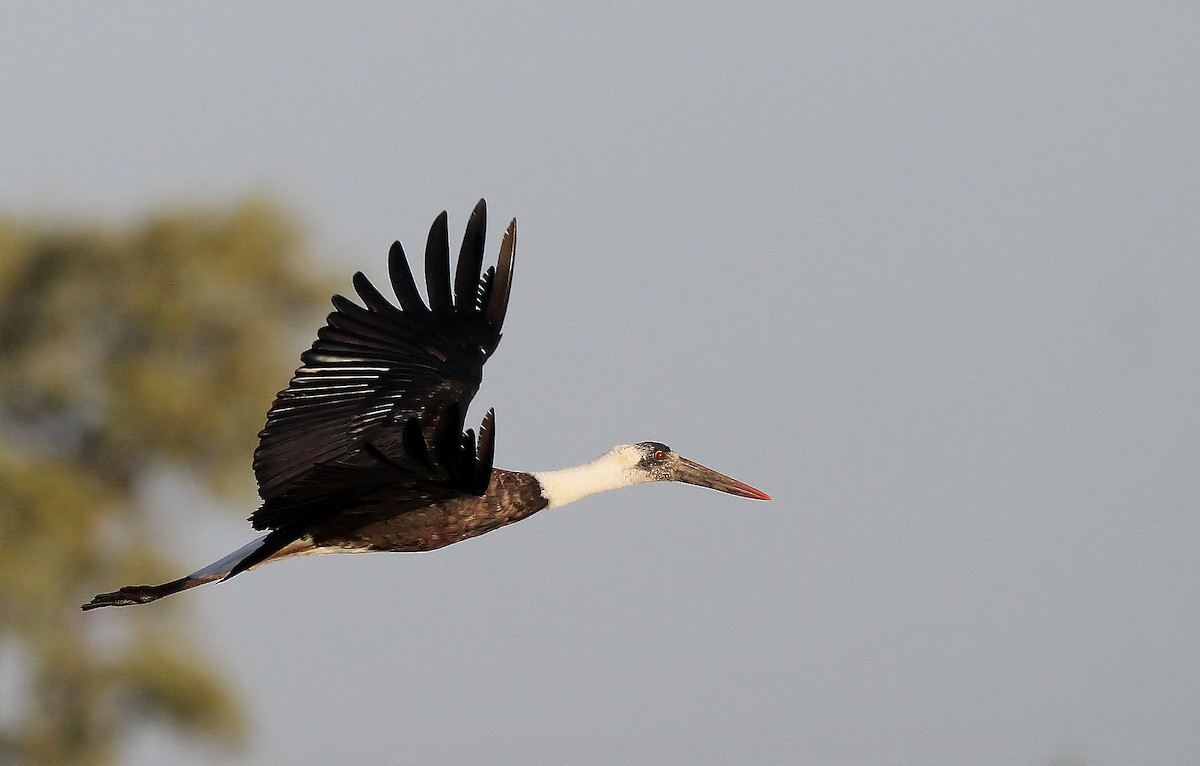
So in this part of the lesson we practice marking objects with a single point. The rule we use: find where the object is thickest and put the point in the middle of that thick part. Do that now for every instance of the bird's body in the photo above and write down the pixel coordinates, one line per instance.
(510, 496)
(365, 449)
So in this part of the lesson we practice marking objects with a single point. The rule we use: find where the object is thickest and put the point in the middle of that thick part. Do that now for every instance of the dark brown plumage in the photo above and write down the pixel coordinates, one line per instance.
(375, 525)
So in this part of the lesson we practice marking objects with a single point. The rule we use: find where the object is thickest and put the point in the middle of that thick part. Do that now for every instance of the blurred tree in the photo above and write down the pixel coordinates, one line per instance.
(123, 352)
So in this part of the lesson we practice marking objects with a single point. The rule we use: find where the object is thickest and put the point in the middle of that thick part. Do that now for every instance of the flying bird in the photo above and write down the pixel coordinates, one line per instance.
(365, 450)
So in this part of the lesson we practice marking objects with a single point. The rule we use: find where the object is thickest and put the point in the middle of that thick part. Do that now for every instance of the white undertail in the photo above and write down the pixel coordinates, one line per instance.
(224, 566)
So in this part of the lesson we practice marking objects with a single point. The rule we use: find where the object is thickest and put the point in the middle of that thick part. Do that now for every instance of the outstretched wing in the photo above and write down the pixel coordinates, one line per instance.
(387, 387)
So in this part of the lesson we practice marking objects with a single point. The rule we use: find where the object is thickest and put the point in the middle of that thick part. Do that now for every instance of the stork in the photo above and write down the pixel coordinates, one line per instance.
(365, 449)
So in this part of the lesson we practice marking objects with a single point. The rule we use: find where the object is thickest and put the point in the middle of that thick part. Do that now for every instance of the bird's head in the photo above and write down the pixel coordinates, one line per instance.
(655, 461)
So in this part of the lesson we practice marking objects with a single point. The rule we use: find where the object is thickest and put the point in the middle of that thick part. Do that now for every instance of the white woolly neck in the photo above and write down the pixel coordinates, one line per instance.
(612, 470)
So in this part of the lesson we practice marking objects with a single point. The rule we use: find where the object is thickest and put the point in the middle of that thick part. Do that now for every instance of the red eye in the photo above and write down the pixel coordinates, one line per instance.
(660, 456)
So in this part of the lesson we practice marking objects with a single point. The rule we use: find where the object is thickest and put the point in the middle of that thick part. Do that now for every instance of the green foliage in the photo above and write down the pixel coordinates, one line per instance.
(123, 352)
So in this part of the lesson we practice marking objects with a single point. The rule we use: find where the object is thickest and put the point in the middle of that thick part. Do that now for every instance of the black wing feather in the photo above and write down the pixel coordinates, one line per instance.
(370, 296)
(470, 261)
(382, 394)
(497, 302)
(437, 265)
(414, 444)
(403, 284)
(486, 452)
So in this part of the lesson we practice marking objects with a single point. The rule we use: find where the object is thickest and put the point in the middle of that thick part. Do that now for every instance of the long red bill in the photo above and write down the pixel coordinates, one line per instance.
(691, 472)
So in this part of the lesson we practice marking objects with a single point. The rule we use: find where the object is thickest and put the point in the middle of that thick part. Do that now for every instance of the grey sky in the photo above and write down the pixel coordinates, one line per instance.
(927, 273)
